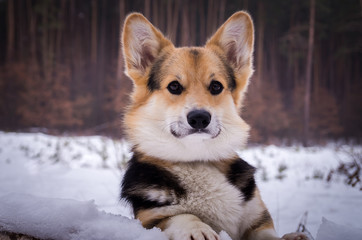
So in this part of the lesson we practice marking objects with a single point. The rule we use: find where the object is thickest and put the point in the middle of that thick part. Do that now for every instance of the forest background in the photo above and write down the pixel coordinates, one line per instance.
(61, 70)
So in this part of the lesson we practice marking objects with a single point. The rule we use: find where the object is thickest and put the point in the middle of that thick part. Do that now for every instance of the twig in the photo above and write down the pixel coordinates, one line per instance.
(302, 226)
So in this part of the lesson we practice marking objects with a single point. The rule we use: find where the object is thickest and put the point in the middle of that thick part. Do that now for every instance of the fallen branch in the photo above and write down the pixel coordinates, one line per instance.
(4, 235)
(302, 226)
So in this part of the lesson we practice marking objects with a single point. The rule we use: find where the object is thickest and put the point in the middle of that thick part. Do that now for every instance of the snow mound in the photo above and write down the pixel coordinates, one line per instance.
(49, 218)
(331, 231)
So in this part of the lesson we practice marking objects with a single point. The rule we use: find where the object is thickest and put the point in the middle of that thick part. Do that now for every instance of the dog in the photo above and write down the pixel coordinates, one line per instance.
(183, 122)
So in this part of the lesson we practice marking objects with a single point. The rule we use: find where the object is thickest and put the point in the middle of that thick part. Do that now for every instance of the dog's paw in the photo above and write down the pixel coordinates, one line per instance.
(202, 231)
(295, 236)
(194, 231)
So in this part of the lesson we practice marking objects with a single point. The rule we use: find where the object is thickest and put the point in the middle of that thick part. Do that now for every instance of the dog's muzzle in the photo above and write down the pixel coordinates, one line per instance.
(198, 122)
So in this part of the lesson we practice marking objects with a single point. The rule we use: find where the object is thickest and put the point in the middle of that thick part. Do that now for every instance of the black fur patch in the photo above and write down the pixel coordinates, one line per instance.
(241, 174)
(231, 76)
(229, 72)
(155, 73)
(194, 52)
(140, 177)
(152, 84)
(196, 56)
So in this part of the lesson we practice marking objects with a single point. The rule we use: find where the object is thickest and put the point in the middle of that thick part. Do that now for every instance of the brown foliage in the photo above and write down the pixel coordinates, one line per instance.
(352, 104)
(325, 115)
(264, 111)
(42, 101)
(296, 111)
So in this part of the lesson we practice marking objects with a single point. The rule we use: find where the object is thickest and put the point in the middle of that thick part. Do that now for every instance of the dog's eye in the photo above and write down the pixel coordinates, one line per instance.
(175, 88)
(215, 87)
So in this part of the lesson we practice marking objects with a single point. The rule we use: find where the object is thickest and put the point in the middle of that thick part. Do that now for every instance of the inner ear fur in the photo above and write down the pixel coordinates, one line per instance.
(142, 43)
(235, 38)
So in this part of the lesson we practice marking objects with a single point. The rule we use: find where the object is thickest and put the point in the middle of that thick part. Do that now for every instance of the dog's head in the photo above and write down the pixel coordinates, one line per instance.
(186, 101)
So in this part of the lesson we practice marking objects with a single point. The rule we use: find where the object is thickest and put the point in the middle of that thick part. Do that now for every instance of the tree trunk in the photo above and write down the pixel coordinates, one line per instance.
(155, 11)
(120, 62)
(172, 20)
(46, 44)
(210, 18)
(101, 65)
(202, 26)
(272, 45)
(58, 52)
(185, 25)
(222, 12)
(94, 32)
(169, 21)
(72, 60)
(308, 78)
(32, 34)
(10, 31)
(148, 8)
(260, 43)
(192, 23)
(246, 4)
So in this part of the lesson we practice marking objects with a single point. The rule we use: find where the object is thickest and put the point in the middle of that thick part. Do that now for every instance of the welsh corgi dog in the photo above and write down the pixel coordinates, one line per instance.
(183, 122)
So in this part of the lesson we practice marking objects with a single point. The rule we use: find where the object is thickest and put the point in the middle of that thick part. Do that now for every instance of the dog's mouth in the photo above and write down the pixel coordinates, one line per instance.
(180, 131)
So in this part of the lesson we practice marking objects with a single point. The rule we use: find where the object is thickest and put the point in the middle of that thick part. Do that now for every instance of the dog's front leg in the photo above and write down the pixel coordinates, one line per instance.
(187, 227)
(295, 236)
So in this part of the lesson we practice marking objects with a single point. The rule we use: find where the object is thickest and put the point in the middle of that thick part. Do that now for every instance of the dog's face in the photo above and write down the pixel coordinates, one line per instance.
(185, 103)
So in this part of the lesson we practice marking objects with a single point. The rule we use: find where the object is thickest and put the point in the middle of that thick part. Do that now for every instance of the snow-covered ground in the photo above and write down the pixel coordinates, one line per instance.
(72, 171)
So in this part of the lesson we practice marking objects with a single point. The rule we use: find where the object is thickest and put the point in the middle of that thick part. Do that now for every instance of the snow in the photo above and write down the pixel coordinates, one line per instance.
(48, 182)
(301, 186)
(66, 219)
(28, 165)
(332, 231)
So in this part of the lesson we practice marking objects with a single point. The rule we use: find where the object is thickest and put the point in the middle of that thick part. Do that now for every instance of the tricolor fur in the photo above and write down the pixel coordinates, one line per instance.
(185, 176)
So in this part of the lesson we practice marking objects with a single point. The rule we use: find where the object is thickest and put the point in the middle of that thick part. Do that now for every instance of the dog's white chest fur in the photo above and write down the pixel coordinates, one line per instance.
(212, 198)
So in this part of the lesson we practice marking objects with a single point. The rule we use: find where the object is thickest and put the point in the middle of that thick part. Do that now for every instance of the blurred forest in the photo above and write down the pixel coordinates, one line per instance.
(61, 69)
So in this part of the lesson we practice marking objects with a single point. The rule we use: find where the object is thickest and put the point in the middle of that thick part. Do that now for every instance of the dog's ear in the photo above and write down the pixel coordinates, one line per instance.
(235, 39)
(141, 43)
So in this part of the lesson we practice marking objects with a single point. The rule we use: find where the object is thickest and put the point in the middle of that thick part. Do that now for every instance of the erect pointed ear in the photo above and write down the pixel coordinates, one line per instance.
(235, 39)
(142, 43)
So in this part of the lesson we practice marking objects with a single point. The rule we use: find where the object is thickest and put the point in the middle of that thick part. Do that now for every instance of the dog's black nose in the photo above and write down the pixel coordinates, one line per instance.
(198, 119)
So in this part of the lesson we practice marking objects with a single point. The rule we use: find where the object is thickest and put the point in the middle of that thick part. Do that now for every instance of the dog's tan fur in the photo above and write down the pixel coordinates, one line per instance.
(191, 184)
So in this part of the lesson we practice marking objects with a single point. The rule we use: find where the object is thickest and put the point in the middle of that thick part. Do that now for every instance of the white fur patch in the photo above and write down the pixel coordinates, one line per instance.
(160, 196)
